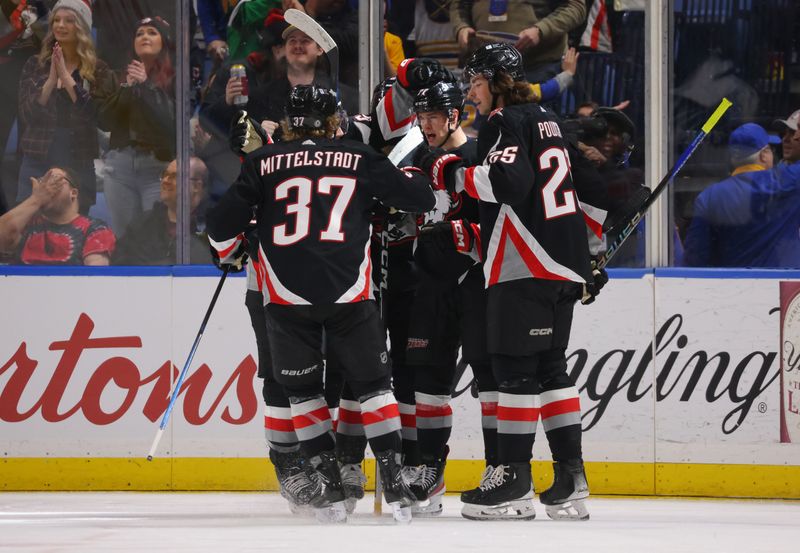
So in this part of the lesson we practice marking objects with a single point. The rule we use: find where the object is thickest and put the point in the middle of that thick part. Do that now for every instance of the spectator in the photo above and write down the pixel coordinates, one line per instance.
(751, 218)
(232, 27)
(59, 93)
(141, 117)
(47, 229)
(433, 33)
(217, 108)
(24, 25)
(115, 21)
(151, 239)
(790, 139)
(341, 22)
(534, 27)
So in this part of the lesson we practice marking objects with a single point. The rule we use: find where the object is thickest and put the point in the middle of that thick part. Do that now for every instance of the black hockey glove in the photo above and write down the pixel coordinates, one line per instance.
(246, 134)
(448, 235)
(592, 290)
(414, 74)
(446, 250)
(235, 262)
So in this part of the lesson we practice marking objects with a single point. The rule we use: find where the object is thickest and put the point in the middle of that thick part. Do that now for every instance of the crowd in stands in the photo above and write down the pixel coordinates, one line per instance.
(88, 116)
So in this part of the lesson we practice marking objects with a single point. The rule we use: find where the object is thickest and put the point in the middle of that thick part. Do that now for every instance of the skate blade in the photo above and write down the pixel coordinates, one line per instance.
(301, 510)
(400, 513)
(571, 510)
(521, 509)
(335, 513)
(431, 507)
(350, 505)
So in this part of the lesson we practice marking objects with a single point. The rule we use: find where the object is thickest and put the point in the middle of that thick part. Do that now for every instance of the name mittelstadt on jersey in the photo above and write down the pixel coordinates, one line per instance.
(306, 158)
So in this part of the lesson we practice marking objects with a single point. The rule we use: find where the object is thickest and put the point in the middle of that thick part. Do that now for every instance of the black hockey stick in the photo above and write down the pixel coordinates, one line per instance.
(176, 389)
(319, 35)
(640, 212)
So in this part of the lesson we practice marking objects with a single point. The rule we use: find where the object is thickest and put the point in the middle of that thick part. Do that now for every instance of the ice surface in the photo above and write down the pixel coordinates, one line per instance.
(205, 522)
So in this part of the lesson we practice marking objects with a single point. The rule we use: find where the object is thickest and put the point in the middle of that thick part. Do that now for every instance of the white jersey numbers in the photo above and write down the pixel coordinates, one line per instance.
(558, 159)
(298, 191)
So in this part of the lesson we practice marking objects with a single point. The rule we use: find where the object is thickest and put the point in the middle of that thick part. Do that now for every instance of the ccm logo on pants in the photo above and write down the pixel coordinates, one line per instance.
(541, 331)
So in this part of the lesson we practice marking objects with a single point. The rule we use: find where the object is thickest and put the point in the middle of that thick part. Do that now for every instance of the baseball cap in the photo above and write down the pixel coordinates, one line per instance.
(790, 122)
(749, 139)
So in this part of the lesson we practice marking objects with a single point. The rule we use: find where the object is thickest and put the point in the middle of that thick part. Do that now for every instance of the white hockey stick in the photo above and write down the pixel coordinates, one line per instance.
(319, 35)
(407, 144)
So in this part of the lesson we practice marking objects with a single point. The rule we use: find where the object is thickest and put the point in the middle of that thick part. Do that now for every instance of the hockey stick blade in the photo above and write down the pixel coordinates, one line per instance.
(319, 35)
(407, 144)
(629, 226)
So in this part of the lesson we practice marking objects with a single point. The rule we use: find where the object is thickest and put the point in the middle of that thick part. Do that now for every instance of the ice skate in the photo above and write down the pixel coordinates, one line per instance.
(329, 504)
(469, 495)
(507, 494)
(298, 482)
(429, 487)
(395, 490)
(353, 480)
(564, 500)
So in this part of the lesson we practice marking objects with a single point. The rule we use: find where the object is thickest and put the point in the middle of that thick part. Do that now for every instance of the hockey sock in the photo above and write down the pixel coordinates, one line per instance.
(489, 425)
(381, 419)
(434, 423)
(517, 416)
(561, 420)
(351, 440)
(312, 424)
(408, 420)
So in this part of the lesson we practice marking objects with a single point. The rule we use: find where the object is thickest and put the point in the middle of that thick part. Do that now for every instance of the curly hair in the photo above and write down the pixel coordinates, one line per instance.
(512, 92)
(87, 55)
(328, 130)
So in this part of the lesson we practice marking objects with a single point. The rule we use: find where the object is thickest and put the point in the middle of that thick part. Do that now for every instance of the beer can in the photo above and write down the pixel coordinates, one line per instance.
(239, 72)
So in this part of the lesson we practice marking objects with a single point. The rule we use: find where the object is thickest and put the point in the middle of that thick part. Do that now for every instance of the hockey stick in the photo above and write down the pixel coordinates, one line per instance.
(630, 226)
(319, 35)
(176, 389)
(407, 144)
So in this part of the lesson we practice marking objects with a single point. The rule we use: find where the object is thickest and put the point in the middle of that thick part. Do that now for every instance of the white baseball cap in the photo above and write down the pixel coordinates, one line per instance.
(790, 122)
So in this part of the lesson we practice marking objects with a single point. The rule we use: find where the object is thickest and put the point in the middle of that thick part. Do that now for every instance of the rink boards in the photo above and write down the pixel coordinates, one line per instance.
(680, 373)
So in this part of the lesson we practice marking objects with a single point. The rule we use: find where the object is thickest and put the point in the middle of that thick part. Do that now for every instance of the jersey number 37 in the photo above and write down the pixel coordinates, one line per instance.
(299, 191)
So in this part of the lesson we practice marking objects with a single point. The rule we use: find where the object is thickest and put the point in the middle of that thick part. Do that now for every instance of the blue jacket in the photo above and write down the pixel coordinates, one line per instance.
(750, 219)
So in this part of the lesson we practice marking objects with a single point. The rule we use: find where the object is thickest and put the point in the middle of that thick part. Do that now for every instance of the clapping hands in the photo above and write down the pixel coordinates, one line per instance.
(136, 73)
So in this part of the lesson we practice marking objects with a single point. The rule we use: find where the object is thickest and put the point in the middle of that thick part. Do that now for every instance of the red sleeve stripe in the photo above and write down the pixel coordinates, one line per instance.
(477, 185)
(226, 247)
(402, 72)
(594, 217)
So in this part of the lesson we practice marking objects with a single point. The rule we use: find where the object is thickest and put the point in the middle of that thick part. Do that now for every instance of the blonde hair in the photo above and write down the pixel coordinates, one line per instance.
(87, 55)
(328, 130)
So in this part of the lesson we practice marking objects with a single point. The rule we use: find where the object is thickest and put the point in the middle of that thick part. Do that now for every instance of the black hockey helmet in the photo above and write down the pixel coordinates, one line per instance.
(380, 91)
(491, 58)
(618, 119)
(443, 96)
(310, 105)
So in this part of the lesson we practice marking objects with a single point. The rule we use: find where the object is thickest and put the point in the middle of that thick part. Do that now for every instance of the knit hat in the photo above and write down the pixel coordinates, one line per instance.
(82, 9)
(159, 24)
(274, 25)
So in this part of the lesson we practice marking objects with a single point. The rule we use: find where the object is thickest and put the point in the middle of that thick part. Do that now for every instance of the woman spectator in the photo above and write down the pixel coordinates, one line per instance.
(141, 117)
(59, 92)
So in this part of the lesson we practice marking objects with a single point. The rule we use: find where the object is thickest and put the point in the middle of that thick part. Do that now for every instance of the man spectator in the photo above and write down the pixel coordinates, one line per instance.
(151, 240)
(790, 141)
(47, 229)
(751, 218)
(341, 22)
(537, 28)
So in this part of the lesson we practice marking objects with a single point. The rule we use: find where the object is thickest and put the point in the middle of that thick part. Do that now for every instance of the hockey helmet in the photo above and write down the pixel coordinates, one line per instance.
(443, 96)
(310, 105)
(491, 58)
(617, 119)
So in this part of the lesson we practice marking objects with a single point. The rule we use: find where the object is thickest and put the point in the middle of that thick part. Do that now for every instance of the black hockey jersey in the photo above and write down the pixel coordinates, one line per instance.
(313, 203)
(532, 224)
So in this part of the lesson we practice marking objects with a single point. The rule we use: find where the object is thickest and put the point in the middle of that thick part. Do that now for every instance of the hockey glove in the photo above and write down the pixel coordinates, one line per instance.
(246, 134)
(439, 165)
(592, 290)
(414, 74)
(235, 262)
(448, 235)
(446, 250)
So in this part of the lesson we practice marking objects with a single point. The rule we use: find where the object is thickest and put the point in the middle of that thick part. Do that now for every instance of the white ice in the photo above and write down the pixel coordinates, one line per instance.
(240, 522)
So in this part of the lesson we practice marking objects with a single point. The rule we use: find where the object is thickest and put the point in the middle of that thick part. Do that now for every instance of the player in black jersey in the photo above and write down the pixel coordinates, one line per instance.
(312, 198)
(536, 264)
(449, 308)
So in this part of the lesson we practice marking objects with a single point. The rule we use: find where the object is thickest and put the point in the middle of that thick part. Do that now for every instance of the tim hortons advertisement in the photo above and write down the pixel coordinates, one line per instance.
(790, 362)
(670, 370)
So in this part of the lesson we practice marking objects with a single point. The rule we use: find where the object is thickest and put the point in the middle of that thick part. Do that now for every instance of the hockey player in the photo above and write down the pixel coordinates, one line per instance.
(536, 265)
(312, 198)
(449, 307)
